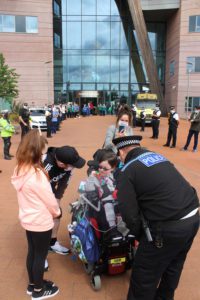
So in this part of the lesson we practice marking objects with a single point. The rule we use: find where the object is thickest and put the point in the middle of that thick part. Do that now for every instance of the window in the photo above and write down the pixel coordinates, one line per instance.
(31, 24)
(172, 68)
(7, 23)
(193, 64)
(57, 40)
(56, 8)
(23, 24)
(194, 24)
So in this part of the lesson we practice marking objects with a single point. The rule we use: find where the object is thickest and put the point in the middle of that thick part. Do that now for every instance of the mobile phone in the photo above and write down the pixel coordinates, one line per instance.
(121, 128)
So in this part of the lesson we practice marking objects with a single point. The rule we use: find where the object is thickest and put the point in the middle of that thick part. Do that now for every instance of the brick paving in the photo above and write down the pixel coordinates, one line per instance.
(86, 134)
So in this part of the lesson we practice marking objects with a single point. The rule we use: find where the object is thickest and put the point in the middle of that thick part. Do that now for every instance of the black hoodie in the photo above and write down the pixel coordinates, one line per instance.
(59, 178)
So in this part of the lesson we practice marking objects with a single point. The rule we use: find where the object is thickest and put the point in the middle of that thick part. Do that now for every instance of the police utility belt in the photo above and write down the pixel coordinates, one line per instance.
(158, 240)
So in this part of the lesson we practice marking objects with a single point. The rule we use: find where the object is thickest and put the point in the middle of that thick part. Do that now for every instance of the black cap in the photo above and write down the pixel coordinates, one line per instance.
(69, 155)
(172, 107)
(126, 141)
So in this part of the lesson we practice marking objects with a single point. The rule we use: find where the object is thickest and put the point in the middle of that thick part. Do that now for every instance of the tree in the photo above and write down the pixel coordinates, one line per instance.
(8, 81)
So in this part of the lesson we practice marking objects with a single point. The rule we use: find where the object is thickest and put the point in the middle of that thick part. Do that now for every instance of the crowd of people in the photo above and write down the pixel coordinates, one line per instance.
(142, 185)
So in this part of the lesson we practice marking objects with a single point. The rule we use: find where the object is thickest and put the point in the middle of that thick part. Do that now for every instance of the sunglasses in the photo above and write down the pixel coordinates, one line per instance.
(105, 169)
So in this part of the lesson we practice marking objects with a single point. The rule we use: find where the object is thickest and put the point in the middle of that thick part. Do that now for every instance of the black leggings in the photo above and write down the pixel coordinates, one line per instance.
(38, 244)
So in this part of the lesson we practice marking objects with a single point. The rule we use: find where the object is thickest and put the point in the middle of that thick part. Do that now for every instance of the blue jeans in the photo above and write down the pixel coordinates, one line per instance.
(190, 134)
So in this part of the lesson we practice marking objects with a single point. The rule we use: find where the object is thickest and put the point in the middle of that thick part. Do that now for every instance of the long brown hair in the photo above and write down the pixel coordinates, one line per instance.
(30, 149)
(125, 110)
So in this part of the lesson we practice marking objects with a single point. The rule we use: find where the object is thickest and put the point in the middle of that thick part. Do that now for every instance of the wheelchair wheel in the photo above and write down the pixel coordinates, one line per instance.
(96, 282)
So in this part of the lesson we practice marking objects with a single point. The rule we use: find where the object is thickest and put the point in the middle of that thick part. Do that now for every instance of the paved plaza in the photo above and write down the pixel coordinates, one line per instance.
(87, 135)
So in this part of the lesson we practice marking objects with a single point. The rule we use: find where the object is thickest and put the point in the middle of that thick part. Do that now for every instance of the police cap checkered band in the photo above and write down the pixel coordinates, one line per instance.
(126, 141)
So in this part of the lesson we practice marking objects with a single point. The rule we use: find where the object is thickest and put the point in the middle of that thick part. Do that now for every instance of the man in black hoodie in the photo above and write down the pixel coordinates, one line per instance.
(161, 209)
(59, 163)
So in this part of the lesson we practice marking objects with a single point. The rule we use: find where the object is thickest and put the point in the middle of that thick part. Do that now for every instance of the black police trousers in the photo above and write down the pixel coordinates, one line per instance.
(156, 271)
(172, 134)
(155, 128)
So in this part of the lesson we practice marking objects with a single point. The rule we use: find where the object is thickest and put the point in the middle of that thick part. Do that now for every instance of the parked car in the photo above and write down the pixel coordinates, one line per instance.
(37, 118)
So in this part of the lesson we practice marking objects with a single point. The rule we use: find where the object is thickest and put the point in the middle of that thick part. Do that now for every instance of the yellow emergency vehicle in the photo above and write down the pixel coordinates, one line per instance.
(147, 101)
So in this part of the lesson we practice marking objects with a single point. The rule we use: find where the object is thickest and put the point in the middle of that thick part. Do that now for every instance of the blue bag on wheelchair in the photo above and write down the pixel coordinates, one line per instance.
(88, 240)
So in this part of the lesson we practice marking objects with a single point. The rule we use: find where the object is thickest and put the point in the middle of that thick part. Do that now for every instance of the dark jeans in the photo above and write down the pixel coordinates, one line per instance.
(155, 128)
(7, 145)
(190, 134)
(156, 271)
(172, 134)
(38, 245)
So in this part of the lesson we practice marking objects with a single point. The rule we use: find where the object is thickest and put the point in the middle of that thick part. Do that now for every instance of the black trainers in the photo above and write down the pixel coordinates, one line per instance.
(46, 292)
(30, 287)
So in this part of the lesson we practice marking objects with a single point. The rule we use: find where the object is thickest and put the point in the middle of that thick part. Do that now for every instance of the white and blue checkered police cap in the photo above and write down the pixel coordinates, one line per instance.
(126, 141)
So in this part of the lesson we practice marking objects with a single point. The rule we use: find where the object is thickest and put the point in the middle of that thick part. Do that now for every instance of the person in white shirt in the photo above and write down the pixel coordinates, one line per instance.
(156, 122)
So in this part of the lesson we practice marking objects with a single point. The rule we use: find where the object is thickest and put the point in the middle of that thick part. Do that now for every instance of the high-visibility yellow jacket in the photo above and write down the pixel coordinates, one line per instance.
(6, 128)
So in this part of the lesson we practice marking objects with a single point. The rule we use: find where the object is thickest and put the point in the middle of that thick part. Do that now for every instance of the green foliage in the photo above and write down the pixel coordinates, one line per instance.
(8, 81)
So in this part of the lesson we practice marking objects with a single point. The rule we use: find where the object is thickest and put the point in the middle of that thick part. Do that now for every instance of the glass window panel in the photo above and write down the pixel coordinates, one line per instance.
(103, 68)
(56, 8)
(103, 18)
(124, 69)
(20, 25)
(114, 69)
(31, 24)
(73, 35)
(57, 40)
(103, 52)
(89, 7)
(88, 69)
(124, 87)
(88, 18)
(197, 64)
(123, 42)
(115, 86)
(73, 52)
(88, 35)
(114, 8)
(152, 38)
(8, 23)
(103, 35)
(1, 23)
(190, 64)
(89, 87)
(74, 68)
(73, 18)
(192, 23)
(75, 87)
(102, 87)
(64, 7)
(115, 35)
(74, 7)
(115, 52)
(103, 7)
(198, 24)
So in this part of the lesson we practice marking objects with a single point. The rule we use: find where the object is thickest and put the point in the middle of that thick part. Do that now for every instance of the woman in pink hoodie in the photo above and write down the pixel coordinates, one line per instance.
(37, 209)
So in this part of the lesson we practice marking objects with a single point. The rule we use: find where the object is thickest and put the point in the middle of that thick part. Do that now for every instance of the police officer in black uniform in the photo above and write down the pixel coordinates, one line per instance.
(24, 116)
(155, 122)
(173, 122)
(161, 209)
(142, 119)
(59, 163)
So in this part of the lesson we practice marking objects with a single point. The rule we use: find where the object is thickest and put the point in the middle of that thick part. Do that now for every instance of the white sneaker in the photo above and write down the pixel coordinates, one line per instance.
(59, 249)
(46, 266)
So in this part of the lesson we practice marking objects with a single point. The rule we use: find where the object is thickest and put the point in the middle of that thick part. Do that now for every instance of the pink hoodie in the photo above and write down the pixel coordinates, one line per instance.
(37, 203)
